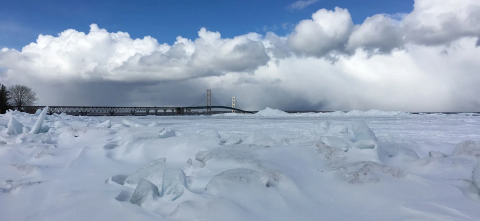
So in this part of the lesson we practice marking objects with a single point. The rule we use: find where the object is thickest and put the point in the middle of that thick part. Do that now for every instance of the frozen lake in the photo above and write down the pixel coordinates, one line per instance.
(371, 165)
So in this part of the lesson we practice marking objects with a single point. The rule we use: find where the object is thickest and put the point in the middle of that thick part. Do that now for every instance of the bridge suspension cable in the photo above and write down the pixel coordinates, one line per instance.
(216, 101)
(199, 101)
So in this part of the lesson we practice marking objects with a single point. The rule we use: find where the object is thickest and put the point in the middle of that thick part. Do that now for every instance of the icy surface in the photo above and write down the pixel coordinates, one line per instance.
(359, 165)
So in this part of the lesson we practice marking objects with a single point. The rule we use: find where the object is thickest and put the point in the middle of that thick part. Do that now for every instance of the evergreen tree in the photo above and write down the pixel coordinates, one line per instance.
(4, 106)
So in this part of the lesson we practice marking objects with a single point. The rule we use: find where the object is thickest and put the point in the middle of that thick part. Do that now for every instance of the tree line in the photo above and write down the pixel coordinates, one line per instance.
(15, 97)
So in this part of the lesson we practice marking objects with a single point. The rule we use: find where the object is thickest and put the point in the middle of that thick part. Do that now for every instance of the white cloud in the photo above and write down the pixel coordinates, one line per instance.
(327, 32)
(299, 5)
(422, 61)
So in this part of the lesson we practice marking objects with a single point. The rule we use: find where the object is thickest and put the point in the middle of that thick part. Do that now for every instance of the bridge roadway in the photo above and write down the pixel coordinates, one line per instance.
(98, 110)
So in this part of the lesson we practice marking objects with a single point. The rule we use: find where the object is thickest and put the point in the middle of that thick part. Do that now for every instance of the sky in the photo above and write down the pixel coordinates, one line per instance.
(292, 55)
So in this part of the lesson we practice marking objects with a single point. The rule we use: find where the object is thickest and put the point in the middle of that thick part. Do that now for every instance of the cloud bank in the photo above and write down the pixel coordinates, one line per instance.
(426, 60)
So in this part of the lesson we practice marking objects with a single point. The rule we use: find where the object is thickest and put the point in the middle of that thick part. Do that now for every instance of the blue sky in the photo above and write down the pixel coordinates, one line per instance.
(21, 21)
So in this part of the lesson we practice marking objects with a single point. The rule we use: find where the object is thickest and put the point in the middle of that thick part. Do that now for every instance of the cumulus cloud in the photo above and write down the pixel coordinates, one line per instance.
(425, 60)
(299, 5)
(327, 32)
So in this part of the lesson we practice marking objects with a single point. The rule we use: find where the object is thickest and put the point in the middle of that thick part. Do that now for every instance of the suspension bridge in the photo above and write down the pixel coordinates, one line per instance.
(213, 106)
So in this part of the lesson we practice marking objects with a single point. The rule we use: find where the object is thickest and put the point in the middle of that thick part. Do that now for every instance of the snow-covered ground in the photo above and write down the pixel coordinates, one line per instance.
(373, 165)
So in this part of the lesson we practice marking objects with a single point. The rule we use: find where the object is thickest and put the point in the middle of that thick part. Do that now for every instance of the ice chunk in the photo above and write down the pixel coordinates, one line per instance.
(130, 124)
(38, 112)
(368, 172)
(145, 192)
(237, 178)
(436, 154)
(388, 151)
(14, 127)
(107, 124)
(153, 171)
(468, 148)
(334, 142)
(164, 133)
(362, 132)
(173, 184)
(363, 144)
(38, 125)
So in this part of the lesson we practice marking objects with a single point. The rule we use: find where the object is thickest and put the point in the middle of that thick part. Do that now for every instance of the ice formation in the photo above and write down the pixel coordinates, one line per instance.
(153, 172)
(14, 127)
(173, 184)
(164, 133)
(144, 193)
(269, 112)
(38, 124)
(107, 124)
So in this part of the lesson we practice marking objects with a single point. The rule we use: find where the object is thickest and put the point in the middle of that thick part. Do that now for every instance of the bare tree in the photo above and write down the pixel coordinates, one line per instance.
(21, 95)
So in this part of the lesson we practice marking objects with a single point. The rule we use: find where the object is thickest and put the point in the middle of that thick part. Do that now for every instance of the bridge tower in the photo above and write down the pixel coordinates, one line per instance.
(233, 103)
(209, 101)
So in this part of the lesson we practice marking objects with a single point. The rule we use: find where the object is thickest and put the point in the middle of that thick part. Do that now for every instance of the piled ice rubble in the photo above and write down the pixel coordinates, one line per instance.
(153, 172)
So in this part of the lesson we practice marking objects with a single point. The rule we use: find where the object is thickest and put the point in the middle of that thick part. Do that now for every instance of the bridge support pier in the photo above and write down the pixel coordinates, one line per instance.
(111, 112)
(156, 112)
(164, 111)
(147, 111)
(132, 112)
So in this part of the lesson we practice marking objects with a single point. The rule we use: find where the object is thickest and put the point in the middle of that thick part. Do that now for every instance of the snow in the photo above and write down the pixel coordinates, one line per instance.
(268, 112)
(359, 165)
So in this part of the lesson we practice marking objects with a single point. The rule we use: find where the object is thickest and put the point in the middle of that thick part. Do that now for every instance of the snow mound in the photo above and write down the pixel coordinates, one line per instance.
(468, 148)
(164, 133)
(238, 178)
(106, 124)
(14, 127)
(329, 152)
(268, 112)
(173, 184)
(368, 172)
(153, 172)
(362, 131)
(145, 192)
(38, 124)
